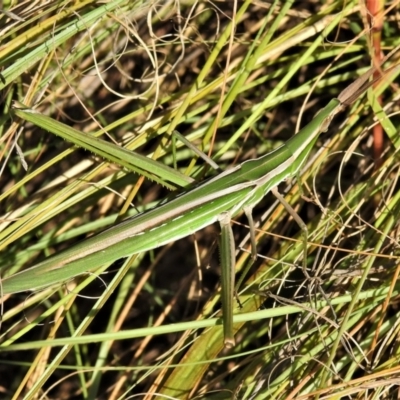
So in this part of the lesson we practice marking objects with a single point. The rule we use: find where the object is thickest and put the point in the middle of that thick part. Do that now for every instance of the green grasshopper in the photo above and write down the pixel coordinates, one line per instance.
(218, 199)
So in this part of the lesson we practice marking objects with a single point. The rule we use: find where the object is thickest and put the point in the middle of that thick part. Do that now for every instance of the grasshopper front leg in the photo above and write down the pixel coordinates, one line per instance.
(299, 222)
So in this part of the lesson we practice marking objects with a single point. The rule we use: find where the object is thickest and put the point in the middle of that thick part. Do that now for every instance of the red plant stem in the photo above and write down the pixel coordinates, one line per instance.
(375, 16)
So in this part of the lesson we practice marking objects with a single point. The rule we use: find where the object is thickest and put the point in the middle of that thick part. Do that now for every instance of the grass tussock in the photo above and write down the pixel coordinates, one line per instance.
(237, 80)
